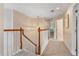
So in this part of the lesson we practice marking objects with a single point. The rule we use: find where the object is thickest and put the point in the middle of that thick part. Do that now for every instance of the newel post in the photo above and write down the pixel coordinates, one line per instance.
(21, 38)
(38, 42)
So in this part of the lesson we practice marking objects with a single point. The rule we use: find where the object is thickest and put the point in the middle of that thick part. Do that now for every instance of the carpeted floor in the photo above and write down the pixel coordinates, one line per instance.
(56, 48)
(25, 53)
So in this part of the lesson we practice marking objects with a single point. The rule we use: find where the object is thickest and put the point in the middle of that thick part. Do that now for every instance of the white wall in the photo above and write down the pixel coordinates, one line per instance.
(69, 33)
(43, 40)
(59, 24)
(8, 36)
(1, 29)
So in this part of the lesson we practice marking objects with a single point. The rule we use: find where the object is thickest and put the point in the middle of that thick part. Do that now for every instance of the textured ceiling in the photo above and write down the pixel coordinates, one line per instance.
(40, 9)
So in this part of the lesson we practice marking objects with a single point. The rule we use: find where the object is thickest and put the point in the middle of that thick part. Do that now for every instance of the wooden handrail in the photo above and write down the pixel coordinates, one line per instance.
(22, 33)
(37, 46)
(11, 29)
(43, 29)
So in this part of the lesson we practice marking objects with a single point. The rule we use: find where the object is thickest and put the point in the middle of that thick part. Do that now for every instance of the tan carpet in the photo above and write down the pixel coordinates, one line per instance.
(56, 48)
(25, 53)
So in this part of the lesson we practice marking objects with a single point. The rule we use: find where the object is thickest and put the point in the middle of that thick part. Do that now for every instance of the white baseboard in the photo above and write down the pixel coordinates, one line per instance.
(70, 50)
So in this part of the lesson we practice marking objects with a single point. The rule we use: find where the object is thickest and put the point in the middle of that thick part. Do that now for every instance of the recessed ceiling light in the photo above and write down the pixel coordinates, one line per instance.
(57, 8)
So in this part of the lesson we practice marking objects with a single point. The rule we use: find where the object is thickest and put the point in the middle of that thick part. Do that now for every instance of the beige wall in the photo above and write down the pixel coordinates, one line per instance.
(59, 24)
(30, 26)
(43, 40)
(69, 33)
(1, 29)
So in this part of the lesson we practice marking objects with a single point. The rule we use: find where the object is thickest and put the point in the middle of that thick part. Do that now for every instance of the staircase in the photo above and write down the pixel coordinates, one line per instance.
(24, 53)
(53, 48)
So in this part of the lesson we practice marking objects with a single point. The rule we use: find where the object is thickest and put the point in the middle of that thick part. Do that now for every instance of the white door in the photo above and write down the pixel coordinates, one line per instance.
(76, 29)
(77, 42)
(59, 29)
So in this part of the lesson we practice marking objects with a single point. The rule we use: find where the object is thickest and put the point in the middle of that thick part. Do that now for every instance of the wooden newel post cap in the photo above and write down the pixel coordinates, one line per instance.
(39, 29)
